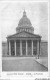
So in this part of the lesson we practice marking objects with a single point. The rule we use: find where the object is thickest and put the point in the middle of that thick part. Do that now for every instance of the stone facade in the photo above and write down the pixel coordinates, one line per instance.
(44, 49)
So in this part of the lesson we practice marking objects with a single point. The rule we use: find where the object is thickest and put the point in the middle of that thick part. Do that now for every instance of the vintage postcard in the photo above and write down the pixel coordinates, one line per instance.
(24, 40)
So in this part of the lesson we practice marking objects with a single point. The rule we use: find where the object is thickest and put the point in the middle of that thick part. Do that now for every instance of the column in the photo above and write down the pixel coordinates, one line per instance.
(38, 49)
(26, 47)
(9, 48)
(32, 47)
(21, 47)
(15, 48)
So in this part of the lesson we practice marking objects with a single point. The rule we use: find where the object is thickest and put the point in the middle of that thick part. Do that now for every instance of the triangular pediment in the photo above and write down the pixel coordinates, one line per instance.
(23, 34)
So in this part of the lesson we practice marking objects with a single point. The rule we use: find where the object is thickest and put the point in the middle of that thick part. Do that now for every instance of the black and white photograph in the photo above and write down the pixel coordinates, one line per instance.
(24, 35)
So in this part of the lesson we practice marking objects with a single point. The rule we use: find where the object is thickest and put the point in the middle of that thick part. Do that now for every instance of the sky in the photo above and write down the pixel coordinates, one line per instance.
(11, 13)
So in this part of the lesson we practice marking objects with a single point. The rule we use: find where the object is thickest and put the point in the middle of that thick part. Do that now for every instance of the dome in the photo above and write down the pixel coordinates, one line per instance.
(24, 24)
(24, 21)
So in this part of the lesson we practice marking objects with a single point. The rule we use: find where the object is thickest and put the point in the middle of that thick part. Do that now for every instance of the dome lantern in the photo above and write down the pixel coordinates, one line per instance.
(24, 13)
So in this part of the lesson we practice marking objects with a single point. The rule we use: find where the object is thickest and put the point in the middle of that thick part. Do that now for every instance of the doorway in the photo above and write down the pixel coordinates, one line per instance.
(23, 47)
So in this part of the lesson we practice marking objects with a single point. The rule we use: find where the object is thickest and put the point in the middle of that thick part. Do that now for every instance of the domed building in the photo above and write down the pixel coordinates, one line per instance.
(24, 42)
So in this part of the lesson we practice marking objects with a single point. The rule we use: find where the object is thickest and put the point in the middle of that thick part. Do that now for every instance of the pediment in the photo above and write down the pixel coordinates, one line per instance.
(24, 34)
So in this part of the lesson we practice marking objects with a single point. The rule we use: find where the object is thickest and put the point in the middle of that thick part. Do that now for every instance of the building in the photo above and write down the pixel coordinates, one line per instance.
(24, 42)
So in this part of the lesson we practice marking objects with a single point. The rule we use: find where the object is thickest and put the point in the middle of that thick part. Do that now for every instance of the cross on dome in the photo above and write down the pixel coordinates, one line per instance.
(24, 13)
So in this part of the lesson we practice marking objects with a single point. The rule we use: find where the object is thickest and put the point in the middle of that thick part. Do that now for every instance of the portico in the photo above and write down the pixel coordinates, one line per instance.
(24, 47)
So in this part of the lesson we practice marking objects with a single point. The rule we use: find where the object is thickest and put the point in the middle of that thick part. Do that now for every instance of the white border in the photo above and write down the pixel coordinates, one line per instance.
(33, 75)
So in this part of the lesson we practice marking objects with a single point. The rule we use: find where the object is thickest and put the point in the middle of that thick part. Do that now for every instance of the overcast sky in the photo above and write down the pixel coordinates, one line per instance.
(11, 13)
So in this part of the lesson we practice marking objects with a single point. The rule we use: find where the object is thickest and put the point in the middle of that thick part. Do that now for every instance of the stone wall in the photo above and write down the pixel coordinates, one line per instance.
(43, 49)
(4, 49)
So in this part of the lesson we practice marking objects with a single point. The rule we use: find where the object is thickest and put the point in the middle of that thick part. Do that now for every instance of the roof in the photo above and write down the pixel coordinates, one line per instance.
(24, 34)
(24, 21)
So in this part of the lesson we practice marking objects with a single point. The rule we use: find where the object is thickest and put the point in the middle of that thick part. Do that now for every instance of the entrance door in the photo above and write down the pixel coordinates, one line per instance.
(18, 48)
(34, 47)
(24, 47)
(29, 48)
(12, 48)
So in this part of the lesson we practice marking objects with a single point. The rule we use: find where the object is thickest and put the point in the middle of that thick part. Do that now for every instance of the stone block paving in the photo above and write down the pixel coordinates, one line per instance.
(22, 64)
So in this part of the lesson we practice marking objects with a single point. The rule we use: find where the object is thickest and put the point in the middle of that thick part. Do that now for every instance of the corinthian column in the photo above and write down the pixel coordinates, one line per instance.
(32, 47)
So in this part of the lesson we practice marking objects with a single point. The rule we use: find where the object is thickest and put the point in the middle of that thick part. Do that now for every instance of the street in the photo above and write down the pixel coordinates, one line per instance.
(21, 64)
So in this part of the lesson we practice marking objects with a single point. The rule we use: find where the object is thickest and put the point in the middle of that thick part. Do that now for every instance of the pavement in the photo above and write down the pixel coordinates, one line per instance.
(43, 61)
(22, 64)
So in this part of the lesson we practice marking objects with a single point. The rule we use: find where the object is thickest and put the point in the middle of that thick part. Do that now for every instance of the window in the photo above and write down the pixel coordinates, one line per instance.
(25, 29)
